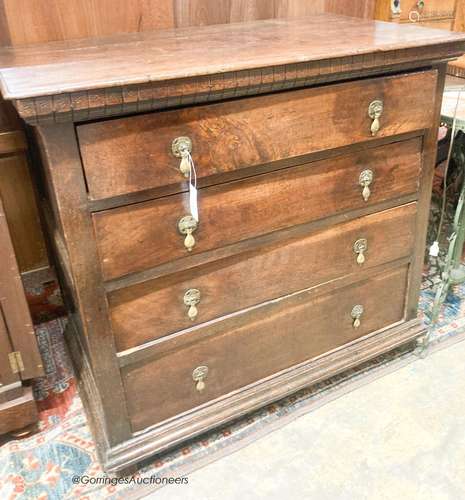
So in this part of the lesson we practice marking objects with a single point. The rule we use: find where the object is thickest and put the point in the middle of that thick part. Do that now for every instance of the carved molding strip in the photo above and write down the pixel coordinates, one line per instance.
(115, 101)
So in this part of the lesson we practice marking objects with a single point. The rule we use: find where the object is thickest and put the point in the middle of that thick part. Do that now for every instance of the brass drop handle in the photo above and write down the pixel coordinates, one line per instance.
(198, 376)
(375, 110)
(182, 148)
(356, 314)
(360, 248)
(187, 225)
(191, 299)
(365, 179)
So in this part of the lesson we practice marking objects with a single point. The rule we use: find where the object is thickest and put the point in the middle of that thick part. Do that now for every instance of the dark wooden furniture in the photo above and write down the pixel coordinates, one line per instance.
(16, 191)
(314, 142)
(19, 356)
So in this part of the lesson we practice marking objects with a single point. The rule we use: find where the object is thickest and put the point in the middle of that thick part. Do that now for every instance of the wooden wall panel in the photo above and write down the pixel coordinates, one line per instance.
(299, 8)
(355, 8)
(33, 21)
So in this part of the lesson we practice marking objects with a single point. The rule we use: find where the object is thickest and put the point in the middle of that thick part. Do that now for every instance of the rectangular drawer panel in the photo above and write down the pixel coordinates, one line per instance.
(126, 155)
(145, 235)
(151, 310)
(268, 341)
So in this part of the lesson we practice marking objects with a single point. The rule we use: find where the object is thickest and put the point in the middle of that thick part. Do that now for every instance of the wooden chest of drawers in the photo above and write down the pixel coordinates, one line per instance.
(313, 152)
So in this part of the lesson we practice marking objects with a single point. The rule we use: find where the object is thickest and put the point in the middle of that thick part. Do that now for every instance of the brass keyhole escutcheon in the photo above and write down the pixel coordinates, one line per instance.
(181, 148)
(187, 226)
(356, 314)
(198, 376)
(365, 179)
(360, 248)
(191, 299)
(375, 110)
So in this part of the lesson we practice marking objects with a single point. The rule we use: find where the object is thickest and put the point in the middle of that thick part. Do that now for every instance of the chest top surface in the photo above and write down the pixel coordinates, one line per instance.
(119, 69)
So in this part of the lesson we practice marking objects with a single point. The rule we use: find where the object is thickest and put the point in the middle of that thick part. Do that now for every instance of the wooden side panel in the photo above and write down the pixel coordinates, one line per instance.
(426, 181)
(154, 309)
(17, 192)
(63, 168)
(14, 308)
(144, 235)
(132, 154)
(242, 355)
(7, 377)
(21, 211)
(19, 412)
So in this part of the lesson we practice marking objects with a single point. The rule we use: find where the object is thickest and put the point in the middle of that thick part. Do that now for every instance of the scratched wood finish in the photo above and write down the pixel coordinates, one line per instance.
(237, 357)
(83, 65)
(149, 311)
(247, 208)
(132, 154)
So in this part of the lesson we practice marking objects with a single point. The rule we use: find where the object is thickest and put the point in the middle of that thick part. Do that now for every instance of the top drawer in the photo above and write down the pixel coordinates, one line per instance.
(126, 155)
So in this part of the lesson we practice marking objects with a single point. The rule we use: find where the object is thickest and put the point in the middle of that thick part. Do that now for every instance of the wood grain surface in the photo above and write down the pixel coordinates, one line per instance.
(149, 311)
(141, 236)
(239, 356)
(132, 154)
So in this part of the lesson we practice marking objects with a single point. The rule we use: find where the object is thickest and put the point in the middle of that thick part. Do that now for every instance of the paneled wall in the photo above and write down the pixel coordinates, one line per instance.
(32, 21)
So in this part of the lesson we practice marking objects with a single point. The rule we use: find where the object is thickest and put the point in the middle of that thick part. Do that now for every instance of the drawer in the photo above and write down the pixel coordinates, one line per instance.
(145, 235)
(431, 9)
(131, 154)
(156, 308)
(260, 344)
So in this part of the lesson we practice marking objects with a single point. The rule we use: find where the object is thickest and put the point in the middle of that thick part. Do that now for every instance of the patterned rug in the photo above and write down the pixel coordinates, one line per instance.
(45, 465)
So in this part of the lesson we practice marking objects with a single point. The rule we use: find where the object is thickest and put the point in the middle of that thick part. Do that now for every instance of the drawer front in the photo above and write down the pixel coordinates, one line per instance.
(151, 310)
(431, 9)
(132, 154)
(265, 343)
(145, 235)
